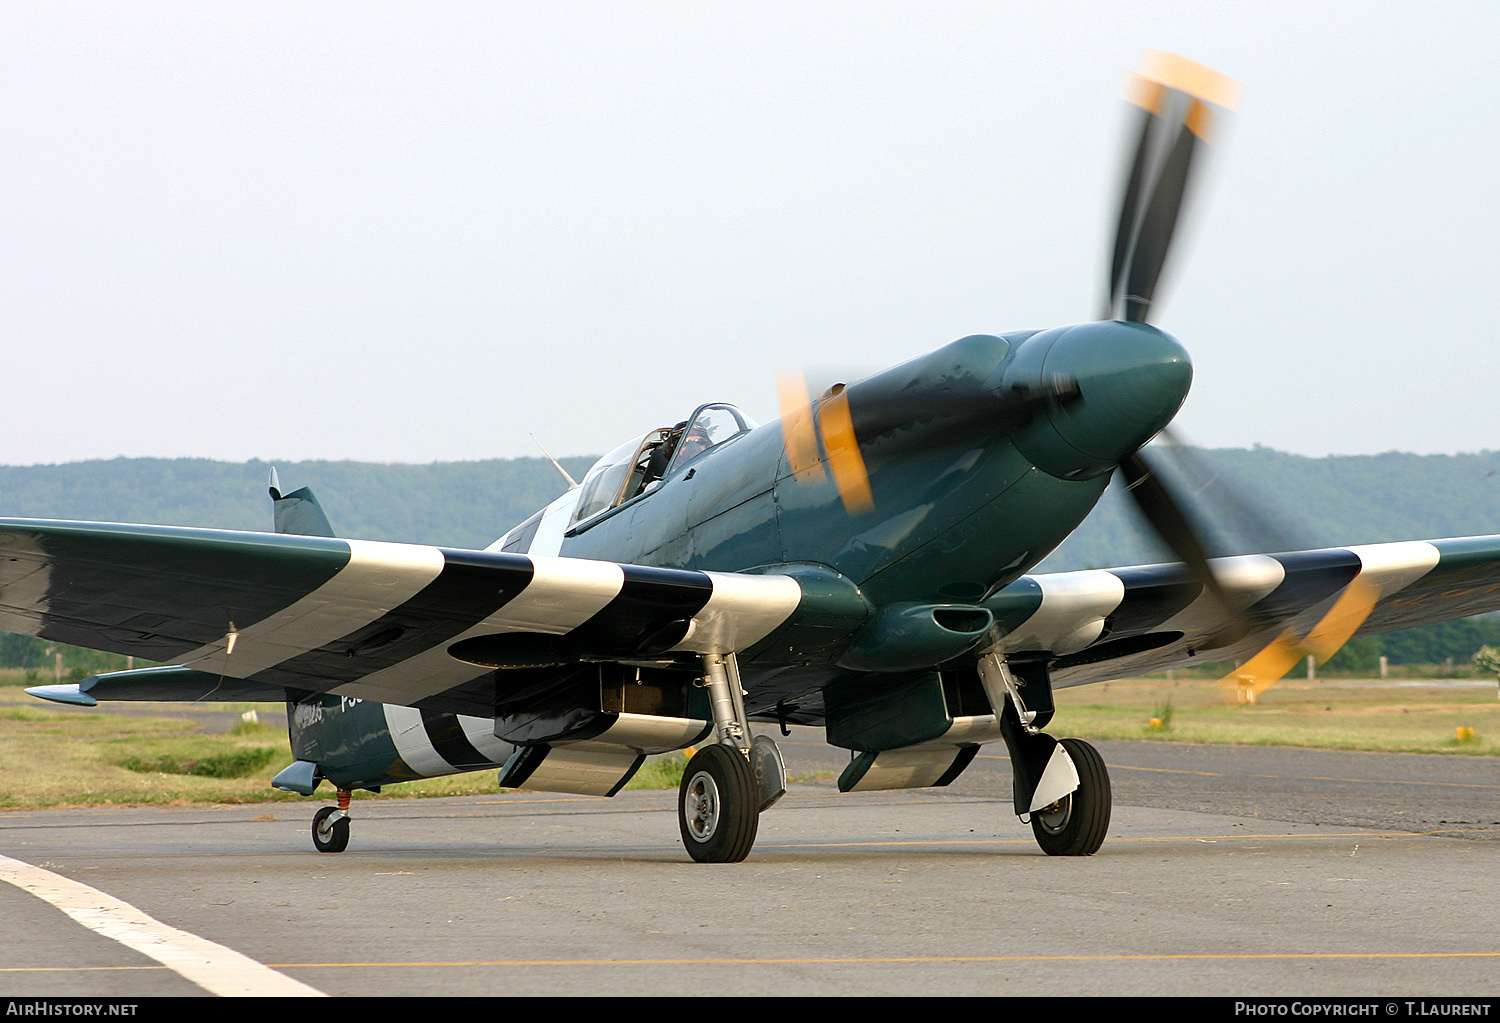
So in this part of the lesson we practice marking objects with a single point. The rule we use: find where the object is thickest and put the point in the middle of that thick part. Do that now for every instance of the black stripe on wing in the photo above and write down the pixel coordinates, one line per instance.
(471, 586)
(650, 614)
(1312, 577)
(1153, 594)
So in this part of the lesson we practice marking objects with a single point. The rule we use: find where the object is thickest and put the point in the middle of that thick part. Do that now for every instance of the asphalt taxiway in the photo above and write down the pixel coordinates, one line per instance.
(1227, 871)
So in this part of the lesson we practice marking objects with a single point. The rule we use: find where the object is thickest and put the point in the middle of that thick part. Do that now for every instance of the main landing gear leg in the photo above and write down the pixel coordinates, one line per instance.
(330, 827)
(1061, 787)
(719, 801)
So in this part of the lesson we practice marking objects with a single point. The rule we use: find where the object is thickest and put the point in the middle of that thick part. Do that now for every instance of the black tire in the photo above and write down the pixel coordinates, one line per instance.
(718, 805)
(330, 836)
(1075, 825)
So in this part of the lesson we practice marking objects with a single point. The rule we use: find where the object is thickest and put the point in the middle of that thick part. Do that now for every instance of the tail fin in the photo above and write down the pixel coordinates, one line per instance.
(297, 512)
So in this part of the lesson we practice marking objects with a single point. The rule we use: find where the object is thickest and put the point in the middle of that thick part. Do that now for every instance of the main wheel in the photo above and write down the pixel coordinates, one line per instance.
(1076, 823)
(330, 836)
(718, 805)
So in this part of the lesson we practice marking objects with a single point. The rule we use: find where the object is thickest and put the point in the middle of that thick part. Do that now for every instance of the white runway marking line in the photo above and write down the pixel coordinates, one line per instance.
(216, 969)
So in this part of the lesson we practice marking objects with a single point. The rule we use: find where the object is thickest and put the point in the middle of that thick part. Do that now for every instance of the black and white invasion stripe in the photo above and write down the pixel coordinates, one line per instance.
(380, 628)
(1071, 615)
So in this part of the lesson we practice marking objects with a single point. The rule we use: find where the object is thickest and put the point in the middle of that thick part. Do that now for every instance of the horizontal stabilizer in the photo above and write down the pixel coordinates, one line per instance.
(302, 778)
(169, 683)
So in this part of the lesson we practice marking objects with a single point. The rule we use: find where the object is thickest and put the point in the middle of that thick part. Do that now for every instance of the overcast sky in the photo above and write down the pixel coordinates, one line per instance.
(417, 232)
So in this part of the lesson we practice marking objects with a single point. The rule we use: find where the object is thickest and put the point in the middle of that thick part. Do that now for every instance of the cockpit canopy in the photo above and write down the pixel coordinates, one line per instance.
(631, 469)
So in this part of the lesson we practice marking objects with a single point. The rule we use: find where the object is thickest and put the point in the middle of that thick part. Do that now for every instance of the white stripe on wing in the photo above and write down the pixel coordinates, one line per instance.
(378, 577)
(1071, 614)
(1245, 579)
(562, 595)
(743, 610)
(1394, 566)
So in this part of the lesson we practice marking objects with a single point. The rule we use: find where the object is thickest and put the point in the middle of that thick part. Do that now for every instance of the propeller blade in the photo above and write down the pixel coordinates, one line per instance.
(1320, 643)
(844, 459)
(1153, 238)
(1230, 522)
(1164, 513)
(1176, 97)
(826, 437)
(798, 431)
(803, 424)
(1130, 201)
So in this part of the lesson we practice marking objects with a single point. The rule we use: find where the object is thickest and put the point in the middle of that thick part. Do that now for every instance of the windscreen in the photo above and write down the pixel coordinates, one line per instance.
(602, 485)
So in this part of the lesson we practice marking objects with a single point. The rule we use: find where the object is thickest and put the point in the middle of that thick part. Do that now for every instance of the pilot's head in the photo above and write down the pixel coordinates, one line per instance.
(694, 442)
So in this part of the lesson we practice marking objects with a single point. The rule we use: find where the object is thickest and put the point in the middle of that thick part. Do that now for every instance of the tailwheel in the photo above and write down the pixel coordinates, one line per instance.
(718, 805)
(330, 826)
(1076, 823)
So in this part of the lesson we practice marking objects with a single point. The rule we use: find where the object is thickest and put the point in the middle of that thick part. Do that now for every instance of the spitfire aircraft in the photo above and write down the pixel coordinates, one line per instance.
(860, 564)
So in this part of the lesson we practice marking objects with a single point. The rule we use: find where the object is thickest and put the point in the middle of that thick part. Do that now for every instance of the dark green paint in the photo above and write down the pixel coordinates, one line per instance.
(348, 739)
(883, 713)
(904, 637)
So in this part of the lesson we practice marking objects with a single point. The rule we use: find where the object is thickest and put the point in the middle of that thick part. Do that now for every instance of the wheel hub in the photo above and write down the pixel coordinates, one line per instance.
(702, 809)
(1054, 818)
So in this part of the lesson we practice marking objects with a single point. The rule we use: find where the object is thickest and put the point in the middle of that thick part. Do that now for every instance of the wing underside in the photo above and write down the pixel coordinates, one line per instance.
(379, 621)
(1115, 623)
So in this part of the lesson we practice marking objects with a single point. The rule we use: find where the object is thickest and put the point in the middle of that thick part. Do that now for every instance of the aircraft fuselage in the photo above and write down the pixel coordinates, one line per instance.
(954, 517)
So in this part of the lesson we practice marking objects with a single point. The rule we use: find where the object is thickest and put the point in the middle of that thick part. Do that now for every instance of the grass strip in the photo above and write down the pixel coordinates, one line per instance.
(127, 755)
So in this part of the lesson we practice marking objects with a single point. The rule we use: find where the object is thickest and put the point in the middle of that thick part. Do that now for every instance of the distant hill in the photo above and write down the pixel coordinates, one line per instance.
(451, 504)
(1307, 502)
(1311, 502)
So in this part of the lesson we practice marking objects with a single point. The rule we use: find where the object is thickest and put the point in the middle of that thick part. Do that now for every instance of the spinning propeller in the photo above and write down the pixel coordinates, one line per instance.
(1178, 100)
(1179, 104)
(823, 437)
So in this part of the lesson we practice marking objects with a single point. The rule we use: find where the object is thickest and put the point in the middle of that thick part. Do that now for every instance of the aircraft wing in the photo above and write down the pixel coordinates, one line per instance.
(254, 613)
(1118, 622)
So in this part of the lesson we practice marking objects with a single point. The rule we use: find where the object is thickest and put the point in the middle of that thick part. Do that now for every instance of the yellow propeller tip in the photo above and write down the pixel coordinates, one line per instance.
(1197, 80)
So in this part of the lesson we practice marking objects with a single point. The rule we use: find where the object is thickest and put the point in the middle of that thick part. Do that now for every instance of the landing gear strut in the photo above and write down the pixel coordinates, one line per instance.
(720, 799)
(330, 826)
(1060, 786)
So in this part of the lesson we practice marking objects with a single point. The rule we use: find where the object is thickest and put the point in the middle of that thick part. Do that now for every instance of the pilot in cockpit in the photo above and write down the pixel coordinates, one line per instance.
(661, 454)
(694, 443)
(678, 446)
